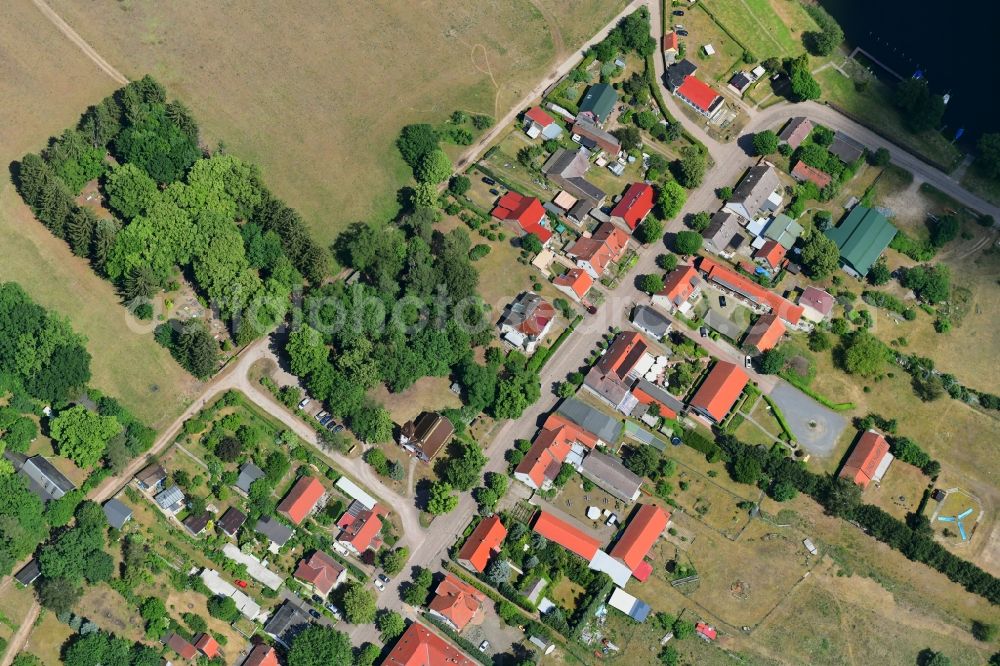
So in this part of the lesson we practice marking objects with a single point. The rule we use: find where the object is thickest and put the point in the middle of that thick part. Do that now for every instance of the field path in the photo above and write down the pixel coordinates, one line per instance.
(87, 49)
(18, 640)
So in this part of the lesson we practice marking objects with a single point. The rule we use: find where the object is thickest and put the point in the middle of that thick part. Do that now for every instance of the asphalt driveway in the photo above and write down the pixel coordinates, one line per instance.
(817, 428)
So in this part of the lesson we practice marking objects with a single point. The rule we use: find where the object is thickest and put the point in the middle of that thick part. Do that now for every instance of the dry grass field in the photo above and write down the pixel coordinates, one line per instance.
(316, 92)
(45, 91)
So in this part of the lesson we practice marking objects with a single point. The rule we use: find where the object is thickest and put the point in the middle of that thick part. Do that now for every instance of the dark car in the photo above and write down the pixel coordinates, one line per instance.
(592, 309)
(326, 419)
(678, 12)
(703, 331)
(495, 192)
(722, 301)
(489, 181)
(315, 613)
(682, 33)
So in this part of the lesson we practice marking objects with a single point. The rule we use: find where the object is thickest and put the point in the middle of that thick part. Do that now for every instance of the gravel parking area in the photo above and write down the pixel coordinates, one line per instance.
(817, 428)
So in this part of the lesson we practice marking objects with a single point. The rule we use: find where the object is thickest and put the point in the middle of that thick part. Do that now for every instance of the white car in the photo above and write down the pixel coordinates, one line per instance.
(380, 585)
(748, 363)
(484, 646)
(304, 403)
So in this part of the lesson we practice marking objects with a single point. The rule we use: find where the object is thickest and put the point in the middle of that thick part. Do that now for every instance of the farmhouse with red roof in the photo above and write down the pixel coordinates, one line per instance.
(699, 96)
(868, 461)
(301, 499)
(765, 333)
(482, 544)
(720, 391)
(574, 283)
(360, 528)
(743, 287)
(634, 205)
(606, 246)
(680, 288)
(538, 123)
(559, 441)
(457, 603)
(322, 572)
(569, 537)
(638, 538)
(526, 211)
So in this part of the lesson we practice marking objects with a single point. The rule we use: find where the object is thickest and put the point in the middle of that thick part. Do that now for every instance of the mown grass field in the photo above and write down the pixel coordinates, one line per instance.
(46, 90)
(316, 92)
(766, 27)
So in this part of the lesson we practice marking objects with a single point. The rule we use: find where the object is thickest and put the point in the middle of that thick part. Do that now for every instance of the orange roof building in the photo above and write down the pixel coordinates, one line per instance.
(606, 246)
(623, 355)
(765, 333)
(802, 171)
(419, 647)
(261, 655)
(772, 252)
(670, 42)
(638, 538)
(569, 537)
(457, 603)
(360, 532)
(868, 461)
(207, 645)
(482, 544)
(301, 499)
(526, 211)
(634, 205)
(321, 571)
(720, 390)
(744, 287)
(556, 442)
(183, 648)
(678, 287)
(576, 282)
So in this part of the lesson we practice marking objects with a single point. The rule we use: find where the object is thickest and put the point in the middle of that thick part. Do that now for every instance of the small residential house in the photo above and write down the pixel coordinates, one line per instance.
(681, 288)
(575, 283)
(705, 632)
(869, 460)
(862, 238)
(784, 230)
(745, 289)
(301, 499)
(539, 123)
(771, 254)
(720, 391)
(564, 200)
(457, 603)
(846, 148)
(44, 480)
(796, 131)
(29, 573)
(559, 442)
(606, 428)
(803, 172)
(765, 333)
(634, 205)
(321, 572)
(740, 82)
(647, 393)
(677, 73)
(651, 322)
(418, 646)
(671, 44)
(591, 137)
(196, 524)
(612, 376)
(426, 435)
(759, 191)
(117, 513)
(170, 500)
(231, 521)
(151, 478)
(606, 246)
(724, 235)
(598, 102)
(274, 531)
(286, 623)
(183, 648)
(636, 609)
(526, 321)
(527, 212)
(360, 529)
(816, 304)
(483, 544)
(646, 526)
(699, 96)
(608, 473)
(567, 169)
(248, 474)
(262, 654)
(207, 645)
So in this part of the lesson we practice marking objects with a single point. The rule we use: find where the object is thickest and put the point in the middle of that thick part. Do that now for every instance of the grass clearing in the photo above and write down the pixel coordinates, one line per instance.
(704, 30)
(290, 87)
(109, 610)
(566, 593)
(979, 183)
(427, 394)
(47, 638)
(14, 603)
(767, 27)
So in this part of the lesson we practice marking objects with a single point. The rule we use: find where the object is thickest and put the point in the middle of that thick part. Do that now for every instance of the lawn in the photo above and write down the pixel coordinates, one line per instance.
(303, 86)
(14, 603)
(47, 638)
(900, 490)
(427, 394)
(566, 593)
(109, 610)
(703, 30)
(979, 183)
(768, 28)
(711, 503)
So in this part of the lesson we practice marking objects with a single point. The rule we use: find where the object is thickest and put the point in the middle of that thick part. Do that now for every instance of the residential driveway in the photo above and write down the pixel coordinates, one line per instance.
(500, 636)
(816, 427)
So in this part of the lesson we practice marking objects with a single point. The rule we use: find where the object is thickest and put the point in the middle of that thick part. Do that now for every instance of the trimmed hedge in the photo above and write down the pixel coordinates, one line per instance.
(780, 417)
(471, 649)
(798, 383)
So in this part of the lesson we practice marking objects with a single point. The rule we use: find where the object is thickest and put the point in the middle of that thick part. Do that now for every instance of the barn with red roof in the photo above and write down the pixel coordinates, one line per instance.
(301, 499)
(634, 205)
(528, 212)
(569, 537)
(643, 530)
(869, 460)
(720, 391)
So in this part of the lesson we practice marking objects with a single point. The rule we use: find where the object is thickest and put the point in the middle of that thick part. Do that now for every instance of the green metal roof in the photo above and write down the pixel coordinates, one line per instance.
(862, 237)
(784, 231)
(599, 100)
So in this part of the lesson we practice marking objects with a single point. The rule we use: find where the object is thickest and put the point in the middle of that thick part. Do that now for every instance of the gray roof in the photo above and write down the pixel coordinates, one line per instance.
(44, 479)
(117, 513)
(588, 418)
(756, 187)
(724, 231)
(585, 128)
(654, 391)
(611, 475)
(846, 148)
(151, 475)
(28, 573)
(796, 131)
(580, 209)
(248, 474)
(169, 497)
(521, 309)
(276, 532)
(566, 168)
(740, 80)
(286, 623)
(608, 387)
(651, 321)
(679, 71)
(232, 520)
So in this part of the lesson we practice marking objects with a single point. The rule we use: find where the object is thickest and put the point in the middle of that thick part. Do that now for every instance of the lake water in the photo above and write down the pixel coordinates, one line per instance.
(957, 45)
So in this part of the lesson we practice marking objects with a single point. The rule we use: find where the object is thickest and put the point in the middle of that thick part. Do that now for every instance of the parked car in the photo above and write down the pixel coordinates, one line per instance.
(334, 427)
(592, 309)
(326, 419)
(678, 12)
(484, 646)
(322, 415)
(241, 584)
(384, 579)
(678, 26)
(682, 33)
(703, 331)
(722, 301)
(379, 584)
(494, 191)
(304, 403)
(315, 613)
(748, 363)
(489, 181)
(317, 599)
(336, 611)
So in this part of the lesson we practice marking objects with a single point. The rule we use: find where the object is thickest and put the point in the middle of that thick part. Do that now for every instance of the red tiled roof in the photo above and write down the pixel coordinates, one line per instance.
(301, 499)
(719, 391)
(181, 647)
(538, 115)
(750, 289)
(457, 600)
(700, 94)
(608, 244)
(803, 171)
(679, 284)
(567, 536)
(419, 647)
(483, 543)
(539, 319)
(261, 655)
(528, 212)
(641, 533)
(623, 354)
(772, 252)
(321, 570)
(576, 279)
(766, 332)
(817, 299)
(208, 645)
(708, 632)
(670, 41)
(865, 458)
(550, 448)
(360, 531)
(634, 205)
(642, 572)
(646, 399)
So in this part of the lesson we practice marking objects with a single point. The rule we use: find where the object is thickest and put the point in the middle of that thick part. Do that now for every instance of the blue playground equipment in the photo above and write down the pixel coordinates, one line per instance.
(958, 521)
